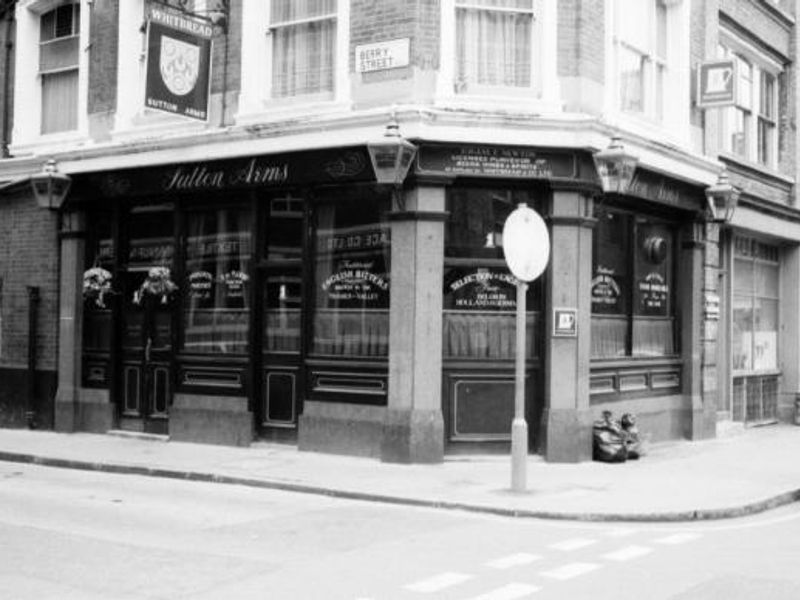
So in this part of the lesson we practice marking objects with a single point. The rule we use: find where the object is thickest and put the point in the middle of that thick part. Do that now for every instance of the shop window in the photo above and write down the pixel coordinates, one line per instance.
(754, 339)
(59, 34)
(480, 295)
(632, 287)
(749, 128)
(217, 286)
(352, 244)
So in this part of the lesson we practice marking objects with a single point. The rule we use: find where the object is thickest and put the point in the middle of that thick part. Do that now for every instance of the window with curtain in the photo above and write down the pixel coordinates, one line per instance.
(480, 295)
(633, 311)
(303, 36)
(216, 296)
(754, 340)
(641, 56)
(59, 34)
(352, 247)
(749, 128)
(494, 43)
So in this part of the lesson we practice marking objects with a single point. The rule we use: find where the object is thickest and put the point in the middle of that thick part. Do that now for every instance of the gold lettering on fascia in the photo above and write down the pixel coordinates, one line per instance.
(200, 177)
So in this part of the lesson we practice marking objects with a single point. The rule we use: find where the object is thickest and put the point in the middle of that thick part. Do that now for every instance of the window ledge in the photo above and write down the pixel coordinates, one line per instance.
(762, 373)
(649, 129)
(628, 361)
(499, 103)
(51, 142)
(270, 112)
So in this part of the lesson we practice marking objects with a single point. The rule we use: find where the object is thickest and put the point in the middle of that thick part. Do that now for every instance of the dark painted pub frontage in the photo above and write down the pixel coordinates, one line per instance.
(292, 297)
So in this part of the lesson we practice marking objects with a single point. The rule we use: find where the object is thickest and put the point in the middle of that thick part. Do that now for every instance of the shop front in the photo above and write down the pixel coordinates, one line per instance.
(256, 297)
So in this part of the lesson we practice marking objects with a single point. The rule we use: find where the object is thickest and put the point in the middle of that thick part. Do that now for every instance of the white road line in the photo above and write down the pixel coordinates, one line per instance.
(512, 591)
(628, 553)
(573, 544)
(571, 570)
(677, 538)
(437, 582)
(622, 532)
(513, 560)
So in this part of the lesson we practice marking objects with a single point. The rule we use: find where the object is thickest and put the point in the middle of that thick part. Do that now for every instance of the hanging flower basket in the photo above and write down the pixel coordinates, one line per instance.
(158, 284)
(96, 285)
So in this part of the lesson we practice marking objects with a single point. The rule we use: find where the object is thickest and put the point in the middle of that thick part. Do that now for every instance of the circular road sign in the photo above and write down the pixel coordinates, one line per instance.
(526, 243)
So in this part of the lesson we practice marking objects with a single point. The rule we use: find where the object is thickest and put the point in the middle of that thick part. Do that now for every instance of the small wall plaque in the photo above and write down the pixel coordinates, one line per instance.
(565, 322)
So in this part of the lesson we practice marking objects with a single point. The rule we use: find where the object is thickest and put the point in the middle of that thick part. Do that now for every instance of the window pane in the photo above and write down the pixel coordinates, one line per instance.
(654, 250)
(303, 58)
(291, 10)
(217, 286)
(285, 228)
(743, 276)
(634, 22)
(476, 221)
(59, 101)
(653, 336)
(609, 336)
(767, 99)
(742, 333)
(765, 334)
(744, 83)
(283, 304)
(766, 280)
(352, 246)
(661, 30)
(480, 310)
(494, 48)
(631, 80)
(766, 137)
(610, 272)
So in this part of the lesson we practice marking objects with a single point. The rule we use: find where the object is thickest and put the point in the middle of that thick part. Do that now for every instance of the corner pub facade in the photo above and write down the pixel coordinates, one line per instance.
(316, 306)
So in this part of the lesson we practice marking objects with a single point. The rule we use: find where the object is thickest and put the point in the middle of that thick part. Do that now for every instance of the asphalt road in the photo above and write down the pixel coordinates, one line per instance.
(72, 535)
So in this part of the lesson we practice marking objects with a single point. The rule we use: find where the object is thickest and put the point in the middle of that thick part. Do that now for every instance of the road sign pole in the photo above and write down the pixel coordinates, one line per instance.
(519, 426)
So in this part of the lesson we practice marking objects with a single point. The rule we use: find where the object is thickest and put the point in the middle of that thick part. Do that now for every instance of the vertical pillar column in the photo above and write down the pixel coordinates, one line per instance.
(413, 430)
(700, 421)
(70, 313)
(567, 418)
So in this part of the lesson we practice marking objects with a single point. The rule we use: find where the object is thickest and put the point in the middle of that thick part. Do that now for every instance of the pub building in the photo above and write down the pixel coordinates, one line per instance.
(314, 299)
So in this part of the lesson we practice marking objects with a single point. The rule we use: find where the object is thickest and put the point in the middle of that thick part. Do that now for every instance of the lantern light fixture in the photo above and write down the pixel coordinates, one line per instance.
(391, 155)
(722, 198)
(50, 186)
(615, 167)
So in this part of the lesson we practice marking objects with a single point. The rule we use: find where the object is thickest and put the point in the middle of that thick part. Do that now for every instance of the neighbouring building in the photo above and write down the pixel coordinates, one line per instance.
(266, 283)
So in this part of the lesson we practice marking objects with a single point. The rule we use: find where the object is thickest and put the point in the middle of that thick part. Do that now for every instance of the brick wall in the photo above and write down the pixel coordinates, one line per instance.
(227, 54)
(104, 36)
(28, 257)
(581, 45)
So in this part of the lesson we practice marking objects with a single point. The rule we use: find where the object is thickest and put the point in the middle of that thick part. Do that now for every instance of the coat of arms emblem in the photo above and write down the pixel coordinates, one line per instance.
(180, 64)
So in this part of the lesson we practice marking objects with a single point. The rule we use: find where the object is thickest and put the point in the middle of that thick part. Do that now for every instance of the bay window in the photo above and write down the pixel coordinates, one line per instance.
(633, 307)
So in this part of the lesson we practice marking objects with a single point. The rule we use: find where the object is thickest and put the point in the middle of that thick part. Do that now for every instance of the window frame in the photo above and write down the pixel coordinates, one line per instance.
(753, 113)
(674, 124)
(543, 93)
(256, 101)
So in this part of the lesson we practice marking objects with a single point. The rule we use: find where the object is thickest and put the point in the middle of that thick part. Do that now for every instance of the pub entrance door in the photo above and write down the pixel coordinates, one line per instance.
(144, 387)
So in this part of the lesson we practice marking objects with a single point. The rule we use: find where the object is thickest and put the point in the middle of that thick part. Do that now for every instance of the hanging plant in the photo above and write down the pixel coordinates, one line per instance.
(96, 285)
(158, 284)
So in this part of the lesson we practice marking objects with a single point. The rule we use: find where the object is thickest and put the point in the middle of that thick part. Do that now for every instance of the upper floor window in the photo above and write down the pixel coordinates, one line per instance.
(749, 128)
(493, 43)
(303, 47)
(641, 57)
(59, 34)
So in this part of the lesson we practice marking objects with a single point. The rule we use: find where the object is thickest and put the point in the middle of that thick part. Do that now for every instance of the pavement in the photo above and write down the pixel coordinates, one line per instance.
(741, 472)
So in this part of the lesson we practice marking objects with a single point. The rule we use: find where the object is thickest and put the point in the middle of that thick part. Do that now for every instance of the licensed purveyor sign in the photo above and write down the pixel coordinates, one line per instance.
(178, 64)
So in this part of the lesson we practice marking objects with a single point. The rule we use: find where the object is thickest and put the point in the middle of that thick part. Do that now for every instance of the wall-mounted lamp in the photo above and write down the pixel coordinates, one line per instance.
(722, 198)
(615, 167)
(391, 156)
(50, 186)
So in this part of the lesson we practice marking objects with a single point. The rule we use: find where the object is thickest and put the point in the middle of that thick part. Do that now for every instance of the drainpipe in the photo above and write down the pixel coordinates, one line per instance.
(9, 46)
(30, 408)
